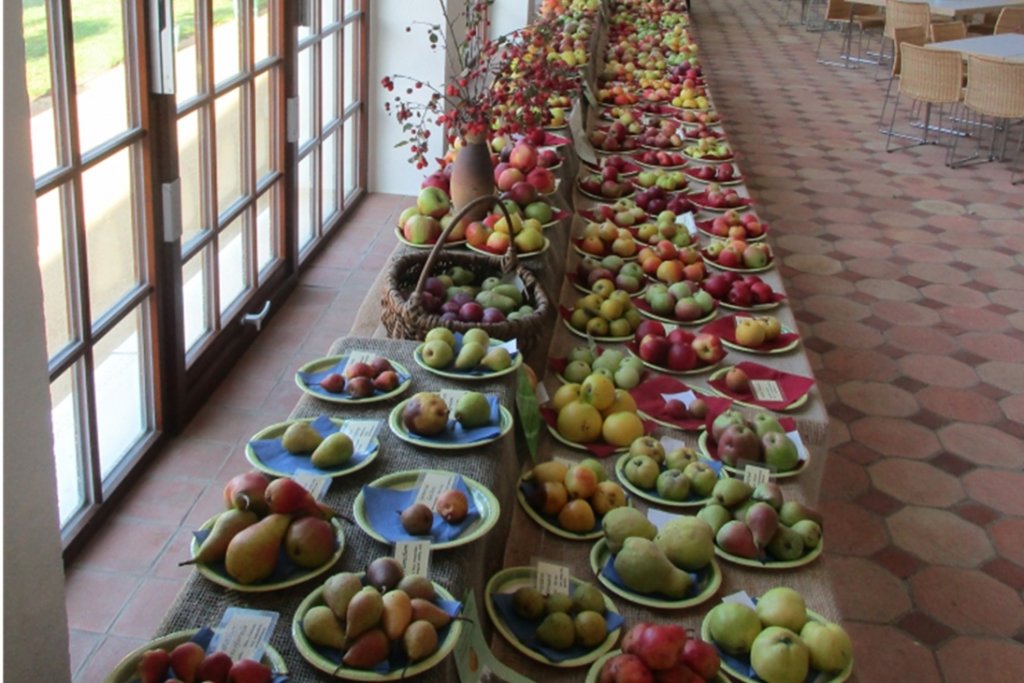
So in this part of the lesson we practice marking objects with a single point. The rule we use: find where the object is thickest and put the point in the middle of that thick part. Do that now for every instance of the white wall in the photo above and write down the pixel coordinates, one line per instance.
(33, 570)
(509, 15)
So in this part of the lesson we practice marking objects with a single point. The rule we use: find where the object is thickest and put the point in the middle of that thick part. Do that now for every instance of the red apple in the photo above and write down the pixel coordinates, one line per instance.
(625, 669)
(647, 327)
(659, 646)
(433, 202)
(542, 179)
(523, 157)
(702, 657)
(708, 347)
(654, 349)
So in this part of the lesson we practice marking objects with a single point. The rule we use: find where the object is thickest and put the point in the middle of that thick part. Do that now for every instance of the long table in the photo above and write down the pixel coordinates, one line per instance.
(1004, 46)
(954, 9)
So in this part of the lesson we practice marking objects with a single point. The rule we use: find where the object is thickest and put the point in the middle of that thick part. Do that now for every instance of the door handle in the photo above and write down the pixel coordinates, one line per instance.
(257, 318)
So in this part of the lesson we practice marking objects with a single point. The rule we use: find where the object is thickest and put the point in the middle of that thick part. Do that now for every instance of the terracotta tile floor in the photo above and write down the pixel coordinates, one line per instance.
(907, 279)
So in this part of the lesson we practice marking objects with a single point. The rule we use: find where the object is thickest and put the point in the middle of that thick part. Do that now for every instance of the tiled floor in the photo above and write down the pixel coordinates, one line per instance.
(907, 279)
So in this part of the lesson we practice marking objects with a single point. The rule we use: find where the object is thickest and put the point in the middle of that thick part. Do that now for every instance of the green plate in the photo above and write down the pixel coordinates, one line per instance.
(702, 443)
(484, 500)
(584, 335)
(721, 373)
(126, 670)
(772, 565)
(399, 430)
(320, 662)
(519, 254)
(705, 634)
(768, 352)
(512, 578)
(277, 430)
(228, 582)
(652, 496)
(699, 370)
(599, 555)
(714, 264)
(321, 363)
(417, 355)
(575, 444)
(548, 526)
(594, 673)
(401, 238)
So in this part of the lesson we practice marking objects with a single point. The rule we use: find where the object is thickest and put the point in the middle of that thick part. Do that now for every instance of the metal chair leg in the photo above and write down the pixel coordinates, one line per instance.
(892, 122)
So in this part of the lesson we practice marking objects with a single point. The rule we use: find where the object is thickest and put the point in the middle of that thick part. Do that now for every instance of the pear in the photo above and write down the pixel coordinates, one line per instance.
(769, 492)
(469, 356)
(643, 568)
(731, 492)
(384, 573)
(715, 515)
(228, 524)
(419, 640)
(810, 532)
(473, 410)
(476, 336)
(786, 545)
(364, 612)
(497, 359)
(368, 650)
(792, 512)
(763, 521)
(550, 471)
(736, 538)
(310, 542)
(687, 542)
(557, 631)
(620, 523)
(586, 597)
(334, 451)
(416, 586)
(558, 602)
(301, 437)
(733, 627)
(423, 610)
(528, 602)
(252, 553)
(338, 591)
(397, 613)
(322, 628)
(591, 628)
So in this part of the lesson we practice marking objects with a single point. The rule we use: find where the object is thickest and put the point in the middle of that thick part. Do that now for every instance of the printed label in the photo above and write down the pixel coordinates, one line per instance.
(542, 393)
(686, 219)
(244, 633)
(671, 444)
(766, 390)
(313, 481)
(360, 357)
(512, 346)
(552, 578)
(740, 598)
(686, 397)
(362, 433)
(414, 556)
(660, 518)
(431, 485)
(755, 475)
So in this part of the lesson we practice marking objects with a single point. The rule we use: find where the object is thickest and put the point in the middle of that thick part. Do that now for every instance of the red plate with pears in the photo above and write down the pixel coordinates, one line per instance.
(742, 292)
(739, 256)
(675, 350)
(723, 174)
(759, 386)
(716, 199)
(763, 335)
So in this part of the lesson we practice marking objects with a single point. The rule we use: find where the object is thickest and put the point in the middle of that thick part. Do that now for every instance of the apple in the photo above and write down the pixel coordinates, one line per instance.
(422, 229)
(649, 327)
(625, 669)
(523, 157)
(659, 646)
(829, 645)
(438, 180)
(406, 215)
(433, 202)
(708, 348)
(778, 655)
(738, 442)
(733, 627)
(523, 193)
(681, 357)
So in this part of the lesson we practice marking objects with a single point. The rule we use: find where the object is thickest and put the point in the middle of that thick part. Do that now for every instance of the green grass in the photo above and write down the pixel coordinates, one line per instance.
(98, 36)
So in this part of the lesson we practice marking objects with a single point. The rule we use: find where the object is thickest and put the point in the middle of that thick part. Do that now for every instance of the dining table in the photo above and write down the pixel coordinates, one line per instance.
(1004, 46)
(954, 9)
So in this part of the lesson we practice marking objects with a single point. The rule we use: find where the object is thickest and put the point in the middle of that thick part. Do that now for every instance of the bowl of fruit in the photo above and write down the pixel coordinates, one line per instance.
(654, 652)
(715, 199)
(470, 356)
(760, 334)
(708, 151)
(677, 478)
(675, 350)
(742, 292)
(594, 416)
(723, 174)
(664, 159)
(606, 186)
(681, 303)
(739, 256)
(450, 420)
(667, 264)
(735, 225)
(605, 275)
(355, 377)
(544, 493)
(761, 441)
(603, 316)
(604, 239)
(759, 386)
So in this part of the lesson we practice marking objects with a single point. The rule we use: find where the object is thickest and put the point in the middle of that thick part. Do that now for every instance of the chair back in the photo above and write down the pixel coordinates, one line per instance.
(837, 10)
(899, 14)
(915, 35)
(928, 75)
(1011, 20)
(941, 31)
(995, 87)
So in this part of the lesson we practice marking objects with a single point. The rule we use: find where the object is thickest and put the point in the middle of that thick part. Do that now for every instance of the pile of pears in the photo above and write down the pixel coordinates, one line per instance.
(575, 495)
(261, 517)
(760, 439)
(188, 661)
(609, 315)
(624, 370)
(595, 411)
(756, 523)
(649, 560)
(563, 620)
(676, 476)
(362, 615)
(441, 351)
(427, 414)
(334, 450)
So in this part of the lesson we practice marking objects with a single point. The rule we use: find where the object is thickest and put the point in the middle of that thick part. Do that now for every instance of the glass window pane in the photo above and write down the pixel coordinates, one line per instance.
(100, 71)
(195, 299)
(350, 5)
(190, 168)
(262, 37)
(66, 444)
(329, 201)
(38, 77)
(267, 228)
(122, 413)
(351, 152)
(226, 43)
(329, 79)
(265, 134)
(307, 208)
(351, 61)
(228, 112)
(231, 263)
(328, 12)
(56, 309)
(186, 68)
(305, 74)
(110, 231)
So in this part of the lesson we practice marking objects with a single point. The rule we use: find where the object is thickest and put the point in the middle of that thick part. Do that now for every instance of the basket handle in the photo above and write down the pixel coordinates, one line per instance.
(508, 261)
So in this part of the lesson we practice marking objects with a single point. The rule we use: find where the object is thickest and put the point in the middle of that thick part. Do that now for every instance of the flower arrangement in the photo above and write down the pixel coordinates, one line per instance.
(501, 85)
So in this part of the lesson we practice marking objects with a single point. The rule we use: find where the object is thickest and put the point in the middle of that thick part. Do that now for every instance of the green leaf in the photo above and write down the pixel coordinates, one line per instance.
(403, 143)
(529, 412)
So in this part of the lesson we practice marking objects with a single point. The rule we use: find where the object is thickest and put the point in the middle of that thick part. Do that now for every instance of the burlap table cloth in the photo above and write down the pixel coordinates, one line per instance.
(458, 569)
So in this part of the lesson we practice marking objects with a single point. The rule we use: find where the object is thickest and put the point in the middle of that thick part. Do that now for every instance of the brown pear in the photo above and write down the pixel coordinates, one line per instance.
(420, 640)
(228, 524)
(367, 650)
(338, 591)
(364, 612)
(397, 613)
(322, 628)
(252, 554)
(422, 610)
(416, 586)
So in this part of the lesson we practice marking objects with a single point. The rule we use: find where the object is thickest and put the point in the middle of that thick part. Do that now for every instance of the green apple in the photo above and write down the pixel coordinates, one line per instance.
(626, 377)
(582, 353)
(576, 371)
(642, 471)
(649, 446)
(779, 656)
(733, 627)
(679, 458)
(782, 606)
(437, 353)
(673, 485)
(609, 359)
(829, 645)
(780, 452)
(766, 422)
(632, 362)
(702, 478)
(596, 467)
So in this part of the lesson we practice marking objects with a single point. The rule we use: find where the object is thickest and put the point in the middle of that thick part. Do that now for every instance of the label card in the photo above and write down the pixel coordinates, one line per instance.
(737, 319)
(244, 633)
(686, 397)
(313, 481)
(686, 219)
(512, 346)
(671, 444)
(514, 280)
(584, 150)
(766, 390)
(360, 357)
(414, 556)
(552, 578)
(740, 598)
(431, 485)
(755, 475)
(362, 433)
(798, 441)
(660, 518)
(451, 397)
(542, 393)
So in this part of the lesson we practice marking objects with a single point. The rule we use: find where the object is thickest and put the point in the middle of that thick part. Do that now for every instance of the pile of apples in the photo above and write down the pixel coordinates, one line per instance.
(595, 411)
(736, 225)
(762, 439)
(261, 516)
(757, 524)
(622, 164)
(755, 332)
(491, 302)
(669, 264)
(718, 198)
(605, 315)
(709, 118)
(700, 131)
(547, 157)
(617, 95)
(655, 199)
(664, 135)
(722, 173)
(190, 662)
(664, 227)
(608, 184)
(661, 652)
(368, 616)
(362, 379)
(708, 149)
(576, 496)
(524, 165)
(682, 301)
(738, 254)
(742, 291)
(625, 371)
(610, 273)
(618, 137)
(782, 641)
(679, 350)
(604, 239)
(662, 158)
(422, 224)
(676, 475)
(624, 213)
(670, 181)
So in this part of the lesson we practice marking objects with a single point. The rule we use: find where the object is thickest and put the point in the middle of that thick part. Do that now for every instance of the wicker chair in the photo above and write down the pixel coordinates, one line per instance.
(899, 14)
(929, 77)
(995, 89)
(942, 31)
(845, 14)
(915, 35)
(1011, 20)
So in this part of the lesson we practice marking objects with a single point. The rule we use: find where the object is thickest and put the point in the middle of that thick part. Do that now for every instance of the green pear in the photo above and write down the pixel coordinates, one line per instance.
(252, 554)
(497, 359)
(334, 451)
(733, 627)
(715, 515)
(437, 353)
(476, 336)
(323, 628)
(228, 523)
(557, 631)
(528, 602)
(687, 542)
(469, 356)
(441, 334)
(338, 592)
(810, 532)
(511, 292)
(620, 523)
(792, 512)
(643, 568)
(731, 492)
(363, 612)
(586, 596)
(786, 545)
(473, 410)
(301, 437)
(558, 602)
(591, 628)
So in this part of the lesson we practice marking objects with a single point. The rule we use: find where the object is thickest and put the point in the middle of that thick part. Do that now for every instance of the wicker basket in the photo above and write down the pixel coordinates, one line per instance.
(403, 314)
